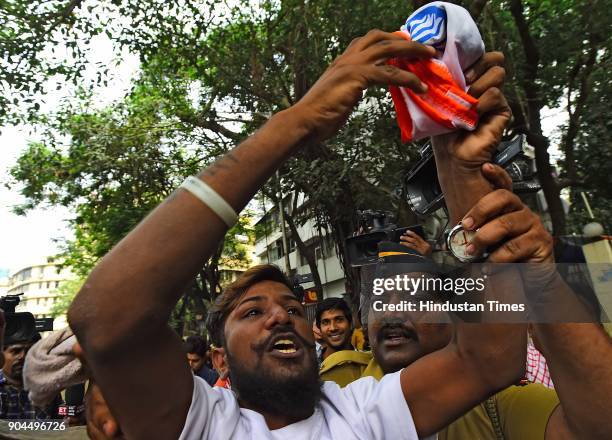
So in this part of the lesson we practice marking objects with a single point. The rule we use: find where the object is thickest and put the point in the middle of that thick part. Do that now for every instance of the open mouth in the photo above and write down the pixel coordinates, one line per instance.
(285, 345)
(394, 336)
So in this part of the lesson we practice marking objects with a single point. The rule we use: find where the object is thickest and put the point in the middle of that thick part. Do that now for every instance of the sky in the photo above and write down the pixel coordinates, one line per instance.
(28, 239)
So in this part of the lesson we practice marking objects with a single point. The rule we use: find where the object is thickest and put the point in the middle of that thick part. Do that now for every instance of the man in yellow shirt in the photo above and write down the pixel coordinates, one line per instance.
(340, 362)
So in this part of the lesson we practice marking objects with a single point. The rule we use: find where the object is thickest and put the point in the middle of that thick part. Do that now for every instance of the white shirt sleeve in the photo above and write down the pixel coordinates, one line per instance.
(379, 409)
(214, 413)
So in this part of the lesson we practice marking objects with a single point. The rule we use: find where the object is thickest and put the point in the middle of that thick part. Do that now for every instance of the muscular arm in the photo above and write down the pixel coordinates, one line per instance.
(482, 358)
(577, 350)
(120, 315)
(579, 356)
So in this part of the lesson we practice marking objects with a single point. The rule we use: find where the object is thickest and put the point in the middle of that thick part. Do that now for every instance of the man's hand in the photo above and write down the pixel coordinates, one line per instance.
(501, 217)
(101, 424)
(460, 155)
(472, 149)
(135, 276)
(414, 241)
(328, 104)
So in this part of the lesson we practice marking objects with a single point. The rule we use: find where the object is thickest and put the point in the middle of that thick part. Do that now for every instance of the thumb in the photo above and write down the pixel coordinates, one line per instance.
(497, 176)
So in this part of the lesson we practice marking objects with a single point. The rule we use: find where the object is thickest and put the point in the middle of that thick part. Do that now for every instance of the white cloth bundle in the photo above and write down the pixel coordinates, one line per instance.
(51, 366)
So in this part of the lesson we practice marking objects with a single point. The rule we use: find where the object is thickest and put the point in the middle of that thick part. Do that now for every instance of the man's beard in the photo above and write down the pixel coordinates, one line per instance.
(293, 397)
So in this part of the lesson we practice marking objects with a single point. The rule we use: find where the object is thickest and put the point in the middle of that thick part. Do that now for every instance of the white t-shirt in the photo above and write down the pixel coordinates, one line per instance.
(364, 410)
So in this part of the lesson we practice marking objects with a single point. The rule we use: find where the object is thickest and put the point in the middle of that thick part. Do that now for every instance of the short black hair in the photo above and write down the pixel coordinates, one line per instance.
(196, 344)
(333, 304)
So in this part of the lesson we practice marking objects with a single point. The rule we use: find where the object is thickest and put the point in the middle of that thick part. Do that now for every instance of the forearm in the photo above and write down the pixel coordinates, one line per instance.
(147, 271)
(462, 183)
(495, 350)
(579, 356)
(494, 347)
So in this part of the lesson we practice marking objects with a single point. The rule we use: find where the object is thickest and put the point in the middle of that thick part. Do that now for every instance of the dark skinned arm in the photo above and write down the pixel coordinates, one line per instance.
(482, 358)
(120, 315)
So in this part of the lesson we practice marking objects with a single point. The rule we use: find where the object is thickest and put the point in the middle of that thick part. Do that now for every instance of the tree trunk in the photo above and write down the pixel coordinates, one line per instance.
(534, 130)
(307, 253)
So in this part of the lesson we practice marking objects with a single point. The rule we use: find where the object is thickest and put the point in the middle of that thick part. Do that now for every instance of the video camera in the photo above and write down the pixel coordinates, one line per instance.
(21, 326)
(374, 226)
(515, 156)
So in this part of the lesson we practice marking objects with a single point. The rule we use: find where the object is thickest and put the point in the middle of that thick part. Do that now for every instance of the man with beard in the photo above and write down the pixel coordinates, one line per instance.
(266, 341)
(14, 401)
(340, 362)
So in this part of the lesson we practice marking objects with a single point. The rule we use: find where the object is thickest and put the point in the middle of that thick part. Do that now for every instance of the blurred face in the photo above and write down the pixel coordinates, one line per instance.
(400, 338)
(195, 361)
(14, 357)
(335, 329)
(270, 351)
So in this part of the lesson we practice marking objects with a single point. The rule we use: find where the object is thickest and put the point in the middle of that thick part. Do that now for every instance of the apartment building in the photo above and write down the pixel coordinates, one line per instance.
(38, 284)
(269, 248)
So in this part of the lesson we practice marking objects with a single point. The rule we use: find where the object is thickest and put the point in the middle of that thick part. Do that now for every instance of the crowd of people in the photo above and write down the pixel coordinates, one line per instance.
(270, 373)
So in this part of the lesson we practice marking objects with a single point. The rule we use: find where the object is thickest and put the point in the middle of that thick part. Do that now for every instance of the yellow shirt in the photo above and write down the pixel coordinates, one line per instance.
(523, 413)
(358, 339)
(345, 366)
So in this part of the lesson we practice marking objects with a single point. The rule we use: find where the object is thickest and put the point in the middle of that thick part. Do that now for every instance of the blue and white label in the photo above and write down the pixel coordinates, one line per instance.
(428, 26)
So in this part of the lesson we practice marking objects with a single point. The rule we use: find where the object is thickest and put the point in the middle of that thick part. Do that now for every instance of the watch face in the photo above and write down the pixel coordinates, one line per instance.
(458, 241)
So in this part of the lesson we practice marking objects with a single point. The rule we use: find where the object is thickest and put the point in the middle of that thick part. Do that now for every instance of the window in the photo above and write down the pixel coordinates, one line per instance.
(56, 284)
(25, 274)
(275, 251)
(291, 245)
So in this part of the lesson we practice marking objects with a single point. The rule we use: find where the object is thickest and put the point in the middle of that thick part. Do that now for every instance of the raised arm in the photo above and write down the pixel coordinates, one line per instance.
(482, 358)
(120, 316)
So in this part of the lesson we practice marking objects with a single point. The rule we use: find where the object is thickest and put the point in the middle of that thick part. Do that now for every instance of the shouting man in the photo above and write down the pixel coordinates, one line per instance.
(266, 342)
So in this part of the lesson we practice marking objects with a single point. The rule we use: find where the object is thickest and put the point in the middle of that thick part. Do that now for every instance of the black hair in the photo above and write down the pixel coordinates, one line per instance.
(196, 344)
(333, 304)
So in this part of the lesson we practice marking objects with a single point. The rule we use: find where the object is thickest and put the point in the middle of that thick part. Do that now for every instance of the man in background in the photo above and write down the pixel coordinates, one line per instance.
(334, 319)
(197, 356)
(340, 362)
(14, 401)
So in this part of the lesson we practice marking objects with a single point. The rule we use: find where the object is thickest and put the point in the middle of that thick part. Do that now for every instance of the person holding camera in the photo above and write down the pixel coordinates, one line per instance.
(14, 400)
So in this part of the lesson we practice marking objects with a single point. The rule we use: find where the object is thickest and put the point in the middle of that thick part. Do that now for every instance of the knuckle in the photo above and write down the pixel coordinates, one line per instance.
(512, 247)
(511, 198)
(374, 33)
(499, 71)
(506, 224)
(390, 70)
(495, 93)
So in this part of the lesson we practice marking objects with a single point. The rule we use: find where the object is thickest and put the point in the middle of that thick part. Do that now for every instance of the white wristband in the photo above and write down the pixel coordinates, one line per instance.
(210, 198)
